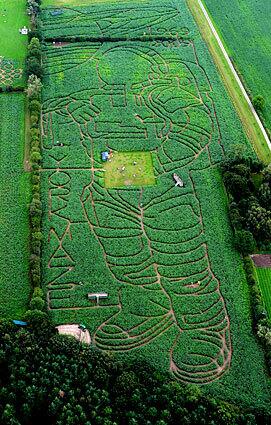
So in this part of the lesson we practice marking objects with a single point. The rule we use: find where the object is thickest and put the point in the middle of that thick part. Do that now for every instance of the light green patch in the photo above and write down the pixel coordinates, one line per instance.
(126, 169)
(264, 277)
(13, 45)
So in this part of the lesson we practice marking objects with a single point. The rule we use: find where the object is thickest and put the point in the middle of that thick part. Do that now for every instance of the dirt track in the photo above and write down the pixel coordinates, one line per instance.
(262, 260)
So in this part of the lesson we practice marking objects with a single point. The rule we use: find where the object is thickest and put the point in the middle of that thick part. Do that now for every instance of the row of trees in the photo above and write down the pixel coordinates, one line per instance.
(52, 379)
(33, 10)
(33, 93)
(248, 184)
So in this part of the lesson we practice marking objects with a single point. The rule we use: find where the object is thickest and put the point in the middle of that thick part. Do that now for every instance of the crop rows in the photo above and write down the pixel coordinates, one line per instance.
(14, 190)
(131, 21)
(160, 252)
(151, 239)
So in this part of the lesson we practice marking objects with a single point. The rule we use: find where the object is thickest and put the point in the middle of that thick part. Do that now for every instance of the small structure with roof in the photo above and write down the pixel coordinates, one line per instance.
(23, 31)
(97, 296)
(105, 156)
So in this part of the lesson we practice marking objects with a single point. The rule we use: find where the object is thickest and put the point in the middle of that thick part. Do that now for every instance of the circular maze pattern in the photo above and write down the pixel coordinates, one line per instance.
(149, 242)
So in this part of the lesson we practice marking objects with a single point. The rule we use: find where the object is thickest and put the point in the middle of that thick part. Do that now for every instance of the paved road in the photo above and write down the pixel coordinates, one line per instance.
(235, 73)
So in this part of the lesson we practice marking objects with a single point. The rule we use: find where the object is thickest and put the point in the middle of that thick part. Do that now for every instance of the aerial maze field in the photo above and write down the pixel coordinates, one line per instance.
(138, 79)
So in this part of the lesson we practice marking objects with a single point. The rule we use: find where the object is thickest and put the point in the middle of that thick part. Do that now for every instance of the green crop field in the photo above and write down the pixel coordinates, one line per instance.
(264, 276)
(177, 294)
(14, 190)
(246, 29)
(60, 3)
(12, 44)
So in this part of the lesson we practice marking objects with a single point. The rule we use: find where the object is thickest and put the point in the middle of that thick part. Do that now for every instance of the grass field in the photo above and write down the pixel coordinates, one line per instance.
(246, 30)
(129, 169)
(250, 125)
(176, 289)
(14, 194)
(264, 276)
(12, 44)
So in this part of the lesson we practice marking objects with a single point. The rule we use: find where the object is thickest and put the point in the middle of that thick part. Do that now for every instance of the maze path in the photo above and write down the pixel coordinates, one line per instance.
(151, 240)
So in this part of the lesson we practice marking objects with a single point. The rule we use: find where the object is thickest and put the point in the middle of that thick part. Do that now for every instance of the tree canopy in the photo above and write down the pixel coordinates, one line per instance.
(52, 379)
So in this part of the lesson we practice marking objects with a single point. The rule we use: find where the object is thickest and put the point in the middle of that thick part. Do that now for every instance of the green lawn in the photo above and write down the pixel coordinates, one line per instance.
(250, 125)
(264, 276)
(129, 169)
(14, 195)
(13, 45)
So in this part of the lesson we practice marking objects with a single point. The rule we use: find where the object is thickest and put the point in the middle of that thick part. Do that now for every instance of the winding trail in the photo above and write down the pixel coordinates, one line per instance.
(239, 82)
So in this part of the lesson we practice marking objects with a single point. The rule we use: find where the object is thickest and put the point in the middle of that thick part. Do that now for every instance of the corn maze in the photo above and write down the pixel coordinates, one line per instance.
(10, 73)
(143, 90)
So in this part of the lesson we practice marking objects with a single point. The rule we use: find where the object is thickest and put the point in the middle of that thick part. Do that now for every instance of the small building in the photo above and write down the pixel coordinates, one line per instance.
(97, 296)
(23, 31)
(105, 156)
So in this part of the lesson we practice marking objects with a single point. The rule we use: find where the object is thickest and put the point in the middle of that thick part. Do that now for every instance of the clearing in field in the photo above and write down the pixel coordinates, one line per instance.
(13, 45)
(264, 277)
(160, 252)
(129, 169)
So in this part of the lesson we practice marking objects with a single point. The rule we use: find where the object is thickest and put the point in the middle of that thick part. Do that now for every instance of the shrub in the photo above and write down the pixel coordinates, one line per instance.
(35, 157)
(258, 103)
(33, 66)
(37, 303)
(35, 106)
(244, 242)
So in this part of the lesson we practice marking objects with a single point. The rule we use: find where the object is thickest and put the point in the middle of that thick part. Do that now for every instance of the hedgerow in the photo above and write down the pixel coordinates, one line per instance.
(33, 92)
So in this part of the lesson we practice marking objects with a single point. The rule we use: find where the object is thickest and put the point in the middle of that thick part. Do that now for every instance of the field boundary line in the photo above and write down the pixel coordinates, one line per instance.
(214, 32)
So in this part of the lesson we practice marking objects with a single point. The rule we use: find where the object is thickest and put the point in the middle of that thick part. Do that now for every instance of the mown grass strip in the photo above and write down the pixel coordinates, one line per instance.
(264, 277)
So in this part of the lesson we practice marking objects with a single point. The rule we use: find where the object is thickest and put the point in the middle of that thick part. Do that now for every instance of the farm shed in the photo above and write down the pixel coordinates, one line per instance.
(97, 296)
